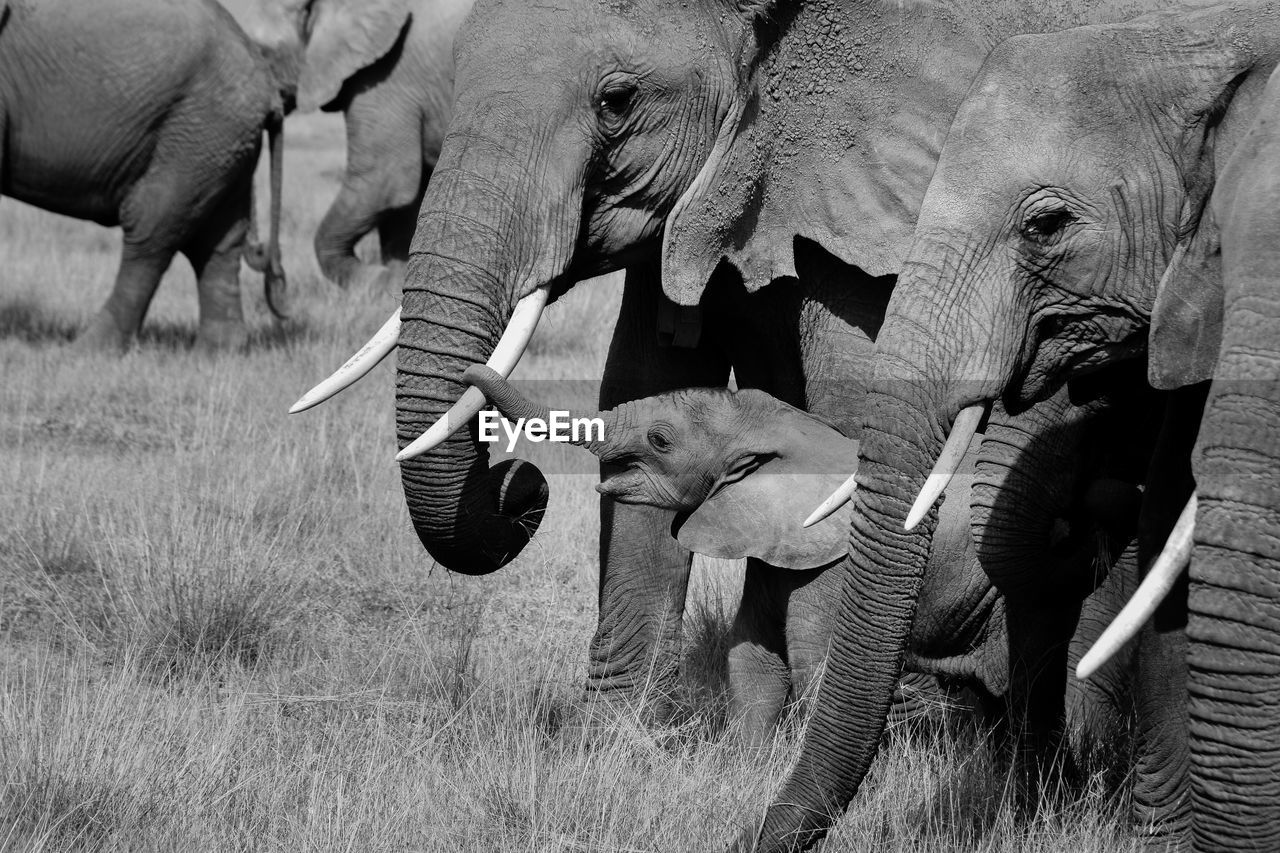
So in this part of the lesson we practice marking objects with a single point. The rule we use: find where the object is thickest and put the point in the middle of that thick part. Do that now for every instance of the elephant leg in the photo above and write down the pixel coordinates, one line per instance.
(644, 572)
(759, 676)
(1161, 788)
(396, 227)
(805, 599)
(1099, 709)
(385, 172)
(153, 220)
(215, 252)
(1039, 637)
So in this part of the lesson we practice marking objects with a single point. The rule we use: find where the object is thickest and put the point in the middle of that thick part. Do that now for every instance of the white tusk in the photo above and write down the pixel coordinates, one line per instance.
(505, 356)
(1164, 573)
(383, 342)
(838, 499)
(966, 424)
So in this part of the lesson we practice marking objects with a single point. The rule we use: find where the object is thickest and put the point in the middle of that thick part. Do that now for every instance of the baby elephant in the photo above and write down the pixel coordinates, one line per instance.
(743, 469)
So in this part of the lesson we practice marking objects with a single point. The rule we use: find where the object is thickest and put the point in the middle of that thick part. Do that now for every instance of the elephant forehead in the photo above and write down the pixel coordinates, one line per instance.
(596, 23)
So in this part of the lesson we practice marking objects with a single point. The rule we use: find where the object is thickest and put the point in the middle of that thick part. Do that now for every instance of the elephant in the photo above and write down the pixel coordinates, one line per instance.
(734, 467)
(1067, 233)
(161, 141)
(387, 65)
(796, 139)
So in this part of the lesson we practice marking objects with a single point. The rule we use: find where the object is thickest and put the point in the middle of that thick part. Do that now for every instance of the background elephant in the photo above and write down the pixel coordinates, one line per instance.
(148, 115)
(1073, 182)
(738, 469)
(387, 65)
(579, 145)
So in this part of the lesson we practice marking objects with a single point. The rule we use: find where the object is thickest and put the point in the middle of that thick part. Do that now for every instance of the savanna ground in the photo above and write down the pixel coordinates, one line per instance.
(219, 632)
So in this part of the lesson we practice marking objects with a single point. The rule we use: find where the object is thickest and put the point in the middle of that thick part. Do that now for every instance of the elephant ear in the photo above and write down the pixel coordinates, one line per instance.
(760, 515)
(1186, 320)
(1211, 108)
(835, 144)
(344, 37)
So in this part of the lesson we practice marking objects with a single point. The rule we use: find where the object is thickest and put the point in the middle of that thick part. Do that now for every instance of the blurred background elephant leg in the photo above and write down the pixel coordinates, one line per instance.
(395, 233)
(382, 189)
(150, 216)
(1161, 787)
(759, 670)
(644, 573)
(215, 251)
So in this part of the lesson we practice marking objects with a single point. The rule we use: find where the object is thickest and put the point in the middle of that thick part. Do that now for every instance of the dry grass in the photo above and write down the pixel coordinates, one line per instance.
(218, 631)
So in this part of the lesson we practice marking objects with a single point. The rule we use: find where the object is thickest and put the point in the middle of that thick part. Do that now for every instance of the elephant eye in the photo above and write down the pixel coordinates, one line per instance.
(659, 440)
(1046, 226)
(614, 104)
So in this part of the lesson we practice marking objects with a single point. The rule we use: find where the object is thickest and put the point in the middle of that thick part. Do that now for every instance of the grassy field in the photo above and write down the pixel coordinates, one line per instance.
(219, 632)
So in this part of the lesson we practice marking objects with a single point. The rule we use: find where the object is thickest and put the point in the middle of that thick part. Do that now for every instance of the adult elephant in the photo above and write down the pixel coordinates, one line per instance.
(1070, 194)
(627, 134)
(387, 66)
(147, 114)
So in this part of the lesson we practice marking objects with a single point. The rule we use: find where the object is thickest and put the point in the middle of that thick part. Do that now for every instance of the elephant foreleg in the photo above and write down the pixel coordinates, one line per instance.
(644, 572)
(1161, 788)
(1039, 636)
(759, 676)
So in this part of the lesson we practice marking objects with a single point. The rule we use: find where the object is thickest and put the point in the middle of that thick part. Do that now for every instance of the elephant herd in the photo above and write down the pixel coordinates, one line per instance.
(1024, 258)
(149, 115)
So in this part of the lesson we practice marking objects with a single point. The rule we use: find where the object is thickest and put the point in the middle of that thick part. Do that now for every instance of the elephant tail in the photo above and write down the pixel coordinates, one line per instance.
(266, 259)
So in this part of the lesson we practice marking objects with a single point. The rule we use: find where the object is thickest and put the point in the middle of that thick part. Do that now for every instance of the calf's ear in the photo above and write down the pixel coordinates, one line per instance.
(761, 514)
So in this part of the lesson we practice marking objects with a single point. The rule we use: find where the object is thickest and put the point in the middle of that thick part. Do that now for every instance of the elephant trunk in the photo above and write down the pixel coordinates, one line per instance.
(466, 274)
(1233, 627)
(879, 585)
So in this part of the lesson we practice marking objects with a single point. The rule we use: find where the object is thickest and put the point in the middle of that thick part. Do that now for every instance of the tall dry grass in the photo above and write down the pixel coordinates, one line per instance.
(218, 631)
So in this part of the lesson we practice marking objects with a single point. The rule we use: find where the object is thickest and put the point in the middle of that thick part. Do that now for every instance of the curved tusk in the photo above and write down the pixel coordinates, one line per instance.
(382, 342)
(1164, 573)
(838, 499)
(512, 344)
(966, 424)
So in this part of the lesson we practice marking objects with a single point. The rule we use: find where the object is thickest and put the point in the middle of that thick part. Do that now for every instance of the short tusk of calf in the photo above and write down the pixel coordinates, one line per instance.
(382, 342)
(838, 498)
(506, 355)
(1154, 588)
(966, 424)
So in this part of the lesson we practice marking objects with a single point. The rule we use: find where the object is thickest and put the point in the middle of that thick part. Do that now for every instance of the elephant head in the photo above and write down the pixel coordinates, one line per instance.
(314, 46)
(1073, 180)
(735, 465)
(576, 128)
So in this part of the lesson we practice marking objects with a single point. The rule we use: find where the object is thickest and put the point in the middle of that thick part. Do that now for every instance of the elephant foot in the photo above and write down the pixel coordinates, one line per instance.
(103, 335)
(221, 336)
